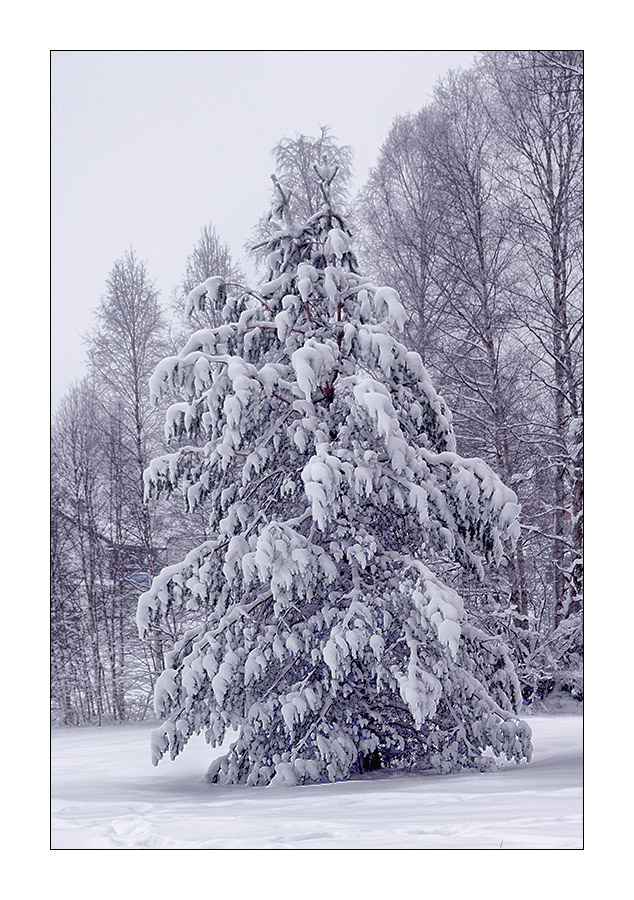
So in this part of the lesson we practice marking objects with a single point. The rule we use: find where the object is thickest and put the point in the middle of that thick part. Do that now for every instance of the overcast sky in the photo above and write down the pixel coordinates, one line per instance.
(148, 146)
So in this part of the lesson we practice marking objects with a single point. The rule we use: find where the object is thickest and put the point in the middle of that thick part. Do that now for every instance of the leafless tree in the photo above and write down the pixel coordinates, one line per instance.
(122, 351)
(295, 160)
(480, 357)
(537, 108)
(208, 257)
(100, 669)
(296, 190)
(399, 223)
(473, 211)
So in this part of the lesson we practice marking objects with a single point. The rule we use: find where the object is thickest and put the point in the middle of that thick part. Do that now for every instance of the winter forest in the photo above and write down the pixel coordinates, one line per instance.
(332, 518)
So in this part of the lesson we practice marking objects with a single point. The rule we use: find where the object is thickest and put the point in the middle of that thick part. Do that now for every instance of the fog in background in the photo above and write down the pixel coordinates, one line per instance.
(149, 146)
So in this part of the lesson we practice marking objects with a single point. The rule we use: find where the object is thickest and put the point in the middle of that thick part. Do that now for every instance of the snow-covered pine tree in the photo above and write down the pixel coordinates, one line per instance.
(326, 641)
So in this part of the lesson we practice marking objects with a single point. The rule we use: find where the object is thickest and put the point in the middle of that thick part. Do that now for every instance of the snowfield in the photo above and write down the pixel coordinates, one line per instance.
(106, 795)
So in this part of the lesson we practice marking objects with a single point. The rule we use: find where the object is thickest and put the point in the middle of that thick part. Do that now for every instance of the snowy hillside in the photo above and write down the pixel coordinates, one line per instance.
(105, 794)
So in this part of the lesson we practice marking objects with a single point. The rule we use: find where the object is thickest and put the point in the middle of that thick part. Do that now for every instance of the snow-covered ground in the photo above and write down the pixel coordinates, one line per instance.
(105, 794)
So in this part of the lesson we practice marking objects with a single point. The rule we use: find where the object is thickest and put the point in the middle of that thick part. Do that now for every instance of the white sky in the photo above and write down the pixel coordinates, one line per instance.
(148, 146)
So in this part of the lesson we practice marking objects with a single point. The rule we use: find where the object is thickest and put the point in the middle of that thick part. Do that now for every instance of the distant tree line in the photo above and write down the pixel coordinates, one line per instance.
(474, 212)
(107, 542)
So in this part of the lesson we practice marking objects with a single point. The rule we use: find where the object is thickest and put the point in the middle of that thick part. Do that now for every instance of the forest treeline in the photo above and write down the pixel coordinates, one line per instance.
(474, 213)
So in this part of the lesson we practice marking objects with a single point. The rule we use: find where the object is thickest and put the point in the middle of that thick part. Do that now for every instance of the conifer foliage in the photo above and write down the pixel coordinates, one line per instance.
(325, 637)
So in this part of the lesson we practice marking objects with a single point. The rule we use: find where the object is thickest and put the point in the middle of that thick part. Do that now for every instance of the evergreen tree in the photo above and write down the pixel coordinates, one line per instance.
(328, 636)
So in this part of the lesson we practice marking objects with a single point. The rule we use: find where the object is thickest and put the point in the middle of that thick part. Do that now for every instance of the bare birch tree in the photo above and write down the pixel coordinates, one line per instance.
(479, 199)
(399, 202)
(537, 108)
(208, 257)
(122, 351)
(100, 670)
